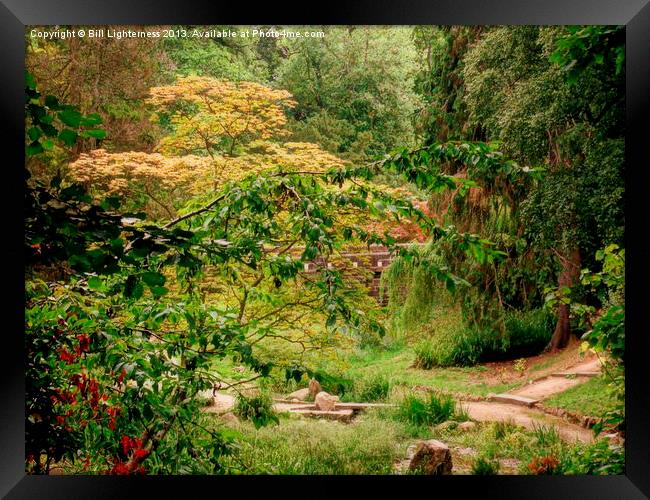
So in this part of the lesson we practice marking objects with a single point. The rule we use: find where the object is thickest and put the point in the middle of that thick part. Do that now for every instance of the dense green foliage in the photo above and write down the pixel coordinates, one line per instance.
(258, 409)
(354, 89)
(553, 107)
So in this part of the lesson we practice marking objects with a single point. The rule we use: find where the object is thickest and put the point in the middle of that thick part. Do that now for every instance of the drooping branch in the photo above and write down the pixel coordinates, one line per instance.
(195, 212)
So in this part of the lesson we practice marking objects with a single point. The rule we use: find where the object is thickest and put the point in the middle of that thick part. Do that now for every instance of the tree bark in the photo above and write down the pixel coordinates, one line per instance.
(568, 278)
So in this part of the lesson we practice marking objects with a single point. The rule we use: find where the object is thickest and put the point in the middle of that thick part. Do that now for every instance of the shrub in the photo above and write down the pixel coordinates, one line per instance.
(469, 346)
(258, 409)
(595, 458)
(545, 465)
(434, 410)
(425, 357)
(460, 346)
(204, 400)
(368, 339)
(528, 332)
(485, 467)
(375, 389)
(546, 436)
(501, 429)
(520, 366)
(307, 446)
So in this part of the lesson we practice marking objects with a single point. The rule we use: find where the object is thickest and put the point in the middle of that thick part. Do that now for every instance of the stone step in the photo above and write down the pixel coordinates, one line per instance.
(513, 399)
(575, 374)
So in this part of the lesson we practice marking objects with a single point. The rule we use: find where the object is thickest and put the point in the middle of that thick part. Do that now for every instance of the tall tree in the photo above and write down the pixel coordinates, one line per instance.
(571, 124)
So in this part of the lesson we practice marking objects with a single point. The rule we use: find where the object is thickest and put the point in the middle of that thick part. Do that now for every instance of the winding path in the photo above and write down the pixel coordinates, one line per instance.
(516, 406)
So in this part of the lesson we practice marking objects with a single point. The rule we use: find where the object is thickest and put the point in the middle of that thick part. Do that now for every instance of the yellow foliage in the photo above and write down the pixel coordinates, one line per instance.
(218, 115)
(166, 179)
(132, 171)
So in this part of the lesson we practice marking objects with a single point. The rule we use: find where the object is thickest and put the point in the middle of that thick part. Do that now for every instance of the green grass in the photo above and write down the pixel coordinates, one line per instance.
(495, 441)
(431, 410)
(397, 368)
(485, 467)
(306, 446)
(592, 398)
(374, 441)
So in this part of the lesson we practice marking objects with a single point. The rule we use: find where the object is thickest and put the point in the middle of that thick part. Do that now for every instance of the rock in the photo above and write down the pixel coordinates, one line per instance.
(510, 464)
(467, 426)
(314, 387)
(433, 458)
(325, 401)
(300, 394)
(400, 466)
(339, 415)
(295, 400)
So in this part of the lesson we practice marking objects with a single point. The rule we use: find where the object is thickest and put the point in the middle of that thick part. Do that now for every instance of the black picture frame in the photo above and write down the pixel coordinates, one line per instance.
(16, 14)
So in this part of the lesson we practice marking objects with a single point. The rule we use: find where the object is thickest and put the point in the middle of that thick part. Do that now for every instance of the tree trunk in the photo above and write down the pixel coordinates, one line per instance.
(568, 278)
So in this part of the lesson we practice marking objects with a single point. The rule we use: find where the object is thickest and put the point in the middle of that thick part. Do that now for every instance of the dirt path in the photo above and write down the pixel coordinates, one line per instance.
(222, 403)
(550, 385)
(486, 411)
(531, 417)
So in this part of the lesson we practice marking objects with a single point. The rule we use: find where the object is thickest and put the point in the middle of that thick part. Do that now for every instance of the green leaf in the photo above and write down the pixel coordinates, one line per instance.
(34, 133)
(34, 148)
(95, 283)
(29, 80)
(133, 288)
(71, 117)
(48, 129)
(110, 202)
(147, 412)
(91, 120)
(52, 102)
(157, 291)
(152, 278)
(69, 137)
(97, 133)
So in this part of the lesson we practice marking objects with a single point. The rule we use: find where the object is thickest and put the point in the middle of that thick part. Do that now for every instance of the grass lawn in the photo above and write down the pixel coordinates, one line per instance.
(593, 398)
(311, 446)
(396, 367)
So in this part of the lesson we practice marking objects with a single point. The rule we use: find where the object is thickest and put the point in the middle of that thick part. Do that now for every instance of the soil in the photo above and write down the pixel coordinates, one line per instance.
(542, 365)
(544, 388)
(485, 411)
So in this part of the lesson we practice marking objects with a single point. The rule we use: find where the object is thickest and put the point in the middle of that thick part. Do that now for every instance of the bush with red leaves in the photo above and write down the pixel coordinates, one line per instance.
(546, 465)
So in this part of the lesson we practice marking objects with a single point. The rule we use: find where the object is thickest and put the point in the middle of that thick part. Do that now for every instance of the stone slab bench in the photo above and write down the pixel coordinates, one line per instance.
(513, 399)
